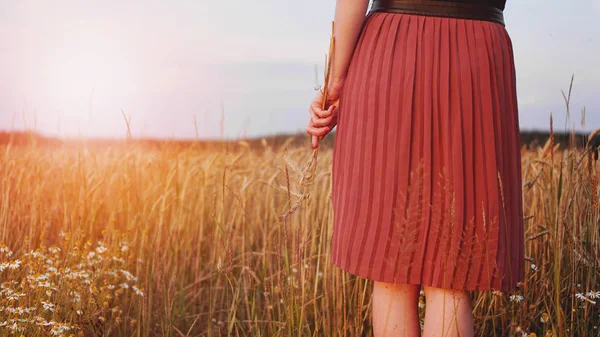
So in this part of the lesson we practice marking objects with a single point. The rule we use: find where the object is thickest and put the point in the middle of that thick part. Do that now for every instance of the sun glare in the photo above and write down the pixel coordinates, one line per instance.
(90, 72)
(82, 63)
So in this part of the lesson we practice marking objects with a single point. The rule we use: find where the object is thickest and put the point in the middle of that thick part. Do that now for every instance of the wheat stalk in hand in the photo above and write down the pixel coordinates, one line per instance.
(325, 91)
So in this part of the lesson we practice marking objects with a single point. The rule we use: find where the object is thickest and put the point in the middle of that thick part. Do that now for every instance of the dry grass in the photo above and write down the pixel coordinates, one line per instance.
(208, 244)
(179, 240)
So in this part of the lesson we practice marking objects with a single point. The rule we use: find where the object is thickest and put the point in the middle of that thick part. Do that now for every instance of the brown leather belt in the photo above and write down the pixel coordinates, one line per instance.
(467, 9)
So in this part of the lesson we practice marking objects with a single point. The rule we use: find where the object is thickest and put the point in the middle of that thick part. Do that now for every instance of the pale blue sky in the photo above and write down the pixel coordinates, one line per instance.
(75, 64)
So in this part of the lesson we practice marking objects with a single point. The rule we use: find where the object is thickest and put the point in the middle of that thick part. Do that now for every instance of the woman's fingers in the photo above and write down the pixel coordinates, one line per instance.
(316, 103)
(316, 110)
(317, 131)
(330, 120)
(315, 142)
(320, 122)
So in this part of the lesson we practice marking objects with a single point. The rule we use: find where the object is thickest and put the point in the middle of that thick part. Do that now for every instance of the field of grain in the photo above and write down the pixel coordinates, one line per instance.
(188, 241)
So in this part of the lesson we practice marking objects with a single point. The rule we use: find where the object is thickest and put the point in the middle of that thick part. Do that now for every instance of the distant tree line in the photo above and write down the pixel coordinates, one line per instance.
(530, 139)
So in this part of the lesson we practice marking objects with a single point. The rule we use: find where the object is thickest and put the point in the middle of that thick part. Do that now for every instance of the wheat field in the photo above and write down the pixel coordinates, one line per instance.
(183, 240)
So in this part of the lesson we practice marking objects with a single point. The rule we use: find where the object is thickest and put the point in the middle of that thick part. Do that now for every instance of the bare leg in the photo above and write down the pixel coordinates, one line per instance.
(395, 310)
(448, 313)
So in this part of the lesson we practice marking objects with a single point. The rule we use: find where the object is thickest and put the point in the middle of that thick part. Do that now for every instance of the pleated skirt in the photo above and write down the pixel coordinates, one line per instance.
(426, 172)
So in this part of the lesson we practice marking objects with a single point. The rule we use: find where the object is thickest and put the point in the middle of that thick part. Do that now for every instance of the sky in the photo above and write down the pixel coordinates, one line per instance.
(72, 68)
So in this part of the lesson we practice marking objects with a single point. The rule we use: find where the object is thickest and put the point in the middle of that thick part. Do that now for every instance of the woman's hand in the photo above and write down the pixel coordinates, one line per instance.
(323, 121)
(350, 16)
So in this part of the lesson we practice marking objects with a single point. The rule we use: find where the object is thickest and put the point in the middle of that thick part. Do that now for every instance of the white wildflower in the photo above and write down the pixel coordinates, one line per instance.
(48, 306)
(15, 264)
(137, 291)
(43, 322)
(75, 296)
(517, 298)
(118, 259)
(4, 249)
(60, 329)
(45, 284)
(101, 248)
(37, 254)
(128, 275)
(17, 310)
(593, 294)
(15, 327)
(38, 277)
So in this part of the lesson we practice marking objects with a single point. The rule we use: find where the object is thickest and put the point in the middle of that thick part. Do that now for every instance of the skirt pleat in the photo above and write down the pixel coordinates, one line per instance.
(426, 181)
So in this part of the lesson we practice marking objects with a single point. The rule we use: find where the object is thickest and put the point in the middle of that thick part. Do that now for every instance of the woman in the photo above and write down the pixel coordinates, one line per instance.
(426, 183)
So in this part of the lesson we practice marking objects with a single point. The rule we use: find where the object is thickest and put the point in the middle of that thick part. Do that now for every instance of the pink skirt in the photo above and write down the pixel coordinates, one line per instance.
(426, 184)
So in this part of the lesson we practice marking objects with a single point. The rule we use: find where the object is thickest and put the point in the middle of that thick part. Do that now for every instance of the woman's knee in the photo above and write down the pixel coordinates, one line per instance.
(398, 287)
(433, 293)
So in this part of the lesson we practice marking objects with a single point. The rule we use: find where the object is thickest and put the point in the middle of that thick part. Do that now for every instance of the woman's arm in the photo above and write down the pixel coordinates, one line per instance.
(349, 18)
